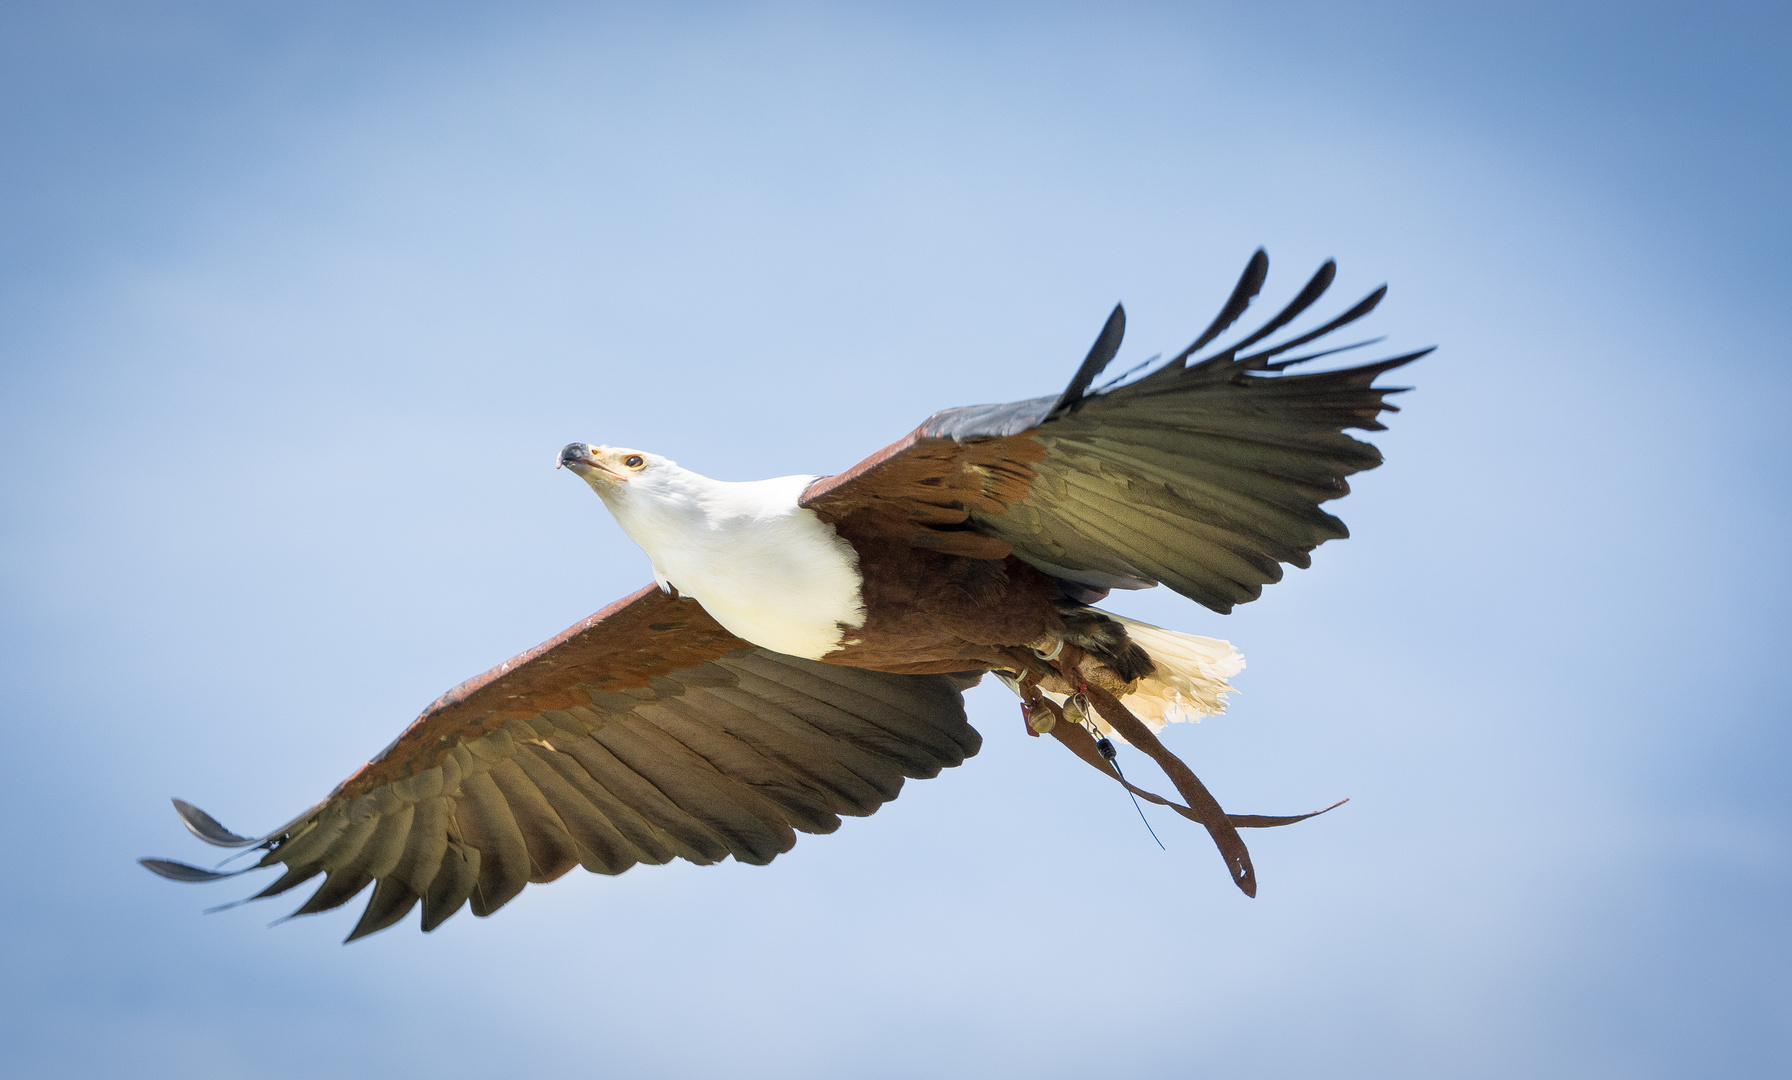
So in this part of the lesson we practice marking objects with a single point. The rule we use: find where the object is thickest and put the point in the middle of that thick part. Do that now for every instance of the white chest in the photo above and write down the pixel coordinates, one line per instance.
(767, 570)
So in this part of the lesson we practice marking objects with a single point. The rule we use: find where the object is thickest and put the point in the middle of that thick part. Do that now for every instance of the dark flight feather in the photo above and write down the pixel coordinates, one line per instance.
(1101, 354)
(1250, 283)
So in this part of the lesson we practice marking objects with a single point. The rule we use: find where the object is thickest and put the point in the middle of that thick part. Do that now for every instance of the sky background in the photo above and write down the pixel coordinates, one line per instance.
(298, 302)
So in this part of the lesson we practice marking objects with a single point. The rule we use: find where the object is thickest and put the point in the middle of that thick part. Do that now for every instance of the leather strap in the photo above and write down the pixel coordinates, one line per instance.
(1203, 808)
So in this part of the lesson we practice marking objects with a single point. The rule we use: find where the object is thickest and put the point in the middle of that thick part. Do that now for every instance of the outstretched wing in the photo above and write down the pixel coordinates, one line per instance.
(645, 733)
(1205, 474)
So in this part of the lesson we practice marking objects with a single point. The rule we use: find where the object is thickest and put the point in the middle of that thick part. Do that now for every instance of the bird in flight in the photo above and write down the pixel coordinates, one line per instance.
(807, 640)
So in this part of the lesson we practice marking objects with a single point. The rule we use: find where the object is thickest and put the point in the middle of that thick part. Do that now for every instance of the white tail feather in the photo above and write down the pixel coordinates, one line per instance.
(1190, 680)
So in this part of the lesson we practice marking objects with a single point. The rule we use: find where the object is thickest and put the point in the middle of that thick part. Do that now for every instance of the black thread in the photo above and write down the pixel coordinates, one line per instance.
(1112, 757)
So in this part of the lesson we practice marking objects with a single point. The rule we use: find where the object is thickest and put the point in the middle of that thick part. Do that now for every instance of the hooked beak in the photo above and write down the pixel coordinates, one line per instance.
(581, 458)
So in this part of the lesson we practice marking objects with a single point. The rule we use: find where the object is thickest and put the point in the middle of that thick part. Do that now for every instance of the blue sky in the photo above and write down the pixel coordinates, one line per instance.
(298, 305)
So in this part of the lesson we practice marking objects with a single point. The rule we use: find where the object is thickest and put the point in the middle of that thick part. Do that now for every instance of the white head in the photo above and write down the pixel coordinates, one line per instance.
(619, 475)
(654, 500)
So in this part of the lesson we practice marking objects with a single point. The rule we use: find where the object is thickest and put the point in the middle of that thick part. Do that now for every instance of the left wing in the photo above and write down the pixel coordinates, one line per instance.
(642, 734)
(1205, 475)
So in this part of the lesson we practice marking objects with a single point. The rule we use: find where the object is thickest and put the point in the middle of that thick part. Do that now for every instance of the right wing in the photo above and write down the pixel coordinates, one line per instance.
(645, 733)
(1206, 474)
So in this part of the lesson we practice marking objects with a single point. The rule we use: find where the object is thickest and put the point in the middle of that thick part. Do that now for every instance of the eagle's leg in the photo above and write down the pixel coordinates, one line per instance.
(1119, 658)
(1103, 652)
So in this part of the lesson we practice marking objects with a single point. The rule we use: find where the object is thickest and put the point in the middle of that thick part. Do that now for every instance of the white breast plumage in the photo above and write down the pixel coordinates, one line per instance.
(768, 570)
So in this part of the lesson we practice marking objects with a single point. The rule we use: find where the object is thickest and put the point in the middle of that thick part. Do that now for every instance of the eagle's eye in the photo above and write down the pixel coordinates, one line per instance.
(634, 461)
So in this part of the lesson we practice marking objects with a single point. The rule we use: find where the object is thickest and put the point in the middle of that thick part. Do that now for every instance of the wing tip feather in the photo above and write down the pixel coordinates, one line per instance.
(207, 828)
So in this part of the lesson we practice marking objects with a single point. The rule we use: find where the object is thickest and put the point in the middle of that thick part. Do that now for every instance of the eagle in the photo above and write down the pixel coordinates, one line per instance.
(806, 642)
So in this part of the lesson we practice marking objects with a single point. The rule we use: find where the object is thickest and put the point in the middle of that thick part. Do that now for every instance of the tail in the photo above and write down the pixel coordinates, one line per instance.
(1190, 677)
